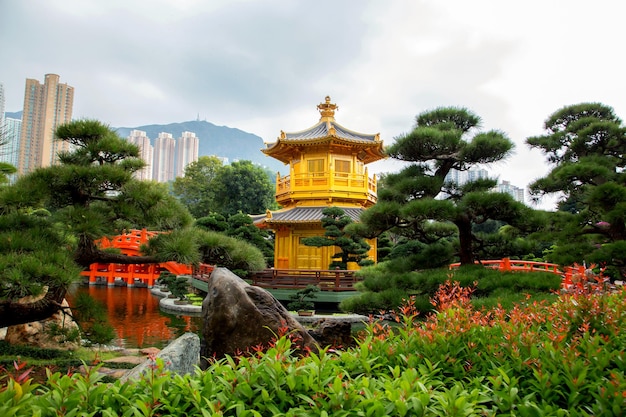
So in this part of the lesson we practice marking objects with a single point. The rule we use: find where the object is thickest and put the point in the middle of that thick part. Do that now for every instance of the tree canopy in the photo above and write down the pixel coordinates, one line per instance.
(197, 188)
(585, 145)
(243, 187)
(210, 187)
(241, 226)
(51, 218)
(432, 215)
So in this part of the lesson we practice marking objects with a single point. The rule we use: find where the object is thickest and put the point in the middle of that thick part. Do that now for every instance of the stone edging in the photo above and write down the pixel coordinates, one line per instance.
(168, 305)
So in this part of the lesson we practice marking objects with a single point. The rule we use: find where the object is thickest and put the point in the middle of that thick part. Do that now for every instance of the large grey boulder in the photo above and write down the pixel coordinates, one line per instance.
(333, 333)
(179, 357)
(238, 316)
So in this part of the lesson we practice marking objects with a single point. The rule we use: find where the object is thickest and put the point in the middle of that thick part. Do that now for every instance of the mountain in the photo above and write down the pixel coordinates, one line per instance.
(215, 140)
(13, 115)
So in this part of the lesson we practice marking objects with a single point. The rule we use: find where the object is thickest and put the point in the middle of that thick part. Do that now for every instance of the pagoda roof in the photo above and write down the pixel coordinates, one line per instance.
(327, 130)
(324, 129)
(303, 215)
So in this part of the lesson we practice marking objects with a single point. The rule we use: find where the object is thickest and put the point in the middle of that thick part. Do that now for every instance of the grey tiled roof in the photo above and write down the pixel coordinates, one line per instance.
(322, 130)
(309, 215)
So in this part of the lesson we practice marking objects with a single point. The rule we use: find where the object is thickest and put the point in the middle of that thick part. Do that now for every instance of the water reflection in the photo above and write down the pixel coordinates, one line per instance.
(136, 317)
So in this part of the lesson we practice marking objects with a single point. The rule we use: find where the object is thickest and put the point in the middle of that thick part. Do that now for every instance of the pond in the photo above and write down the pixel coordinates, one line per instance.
(136, 317)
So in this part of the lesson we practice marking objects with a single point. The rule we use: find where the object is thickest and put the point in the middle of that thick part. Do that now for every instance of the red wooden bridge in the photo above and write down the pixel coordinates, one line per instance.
(506, 264)
(328, 280)
(131, 274)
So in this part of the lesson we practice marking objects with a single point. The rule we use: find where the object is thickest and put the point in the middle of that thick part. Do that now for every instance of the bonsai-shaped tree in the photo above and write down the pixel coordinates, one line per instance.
(353, 248)
(165, 278)
(303, 299)
(179, 287)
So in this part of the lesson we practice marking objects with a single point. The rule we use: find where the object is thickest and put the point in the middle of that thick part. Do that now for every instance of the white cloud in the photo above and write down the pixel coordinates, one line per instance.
(264, 66)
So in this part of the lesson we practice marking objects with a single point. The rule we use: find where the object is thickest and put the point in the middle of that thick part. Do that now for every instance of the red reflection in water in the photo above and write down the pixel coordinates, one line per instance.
(136, 317)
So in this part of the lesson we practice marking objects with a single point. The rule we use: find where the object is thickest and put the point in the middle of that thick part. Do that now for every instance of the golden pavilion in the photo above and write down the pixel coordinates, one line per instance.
(327, 167)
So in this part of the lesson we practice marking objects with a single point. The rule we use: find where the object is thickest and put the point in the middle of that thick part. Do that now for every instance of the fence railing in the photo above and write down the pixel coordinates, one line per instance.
(326, 280)
(506, 264)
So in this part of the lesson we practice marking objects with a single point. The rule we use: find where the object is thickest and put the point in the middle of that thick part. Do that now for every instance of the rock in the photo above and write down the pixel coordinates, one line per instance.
(150, 351)
(179, 357)
(238, 317)
(333, 333)
(134, 360)
(45, 333)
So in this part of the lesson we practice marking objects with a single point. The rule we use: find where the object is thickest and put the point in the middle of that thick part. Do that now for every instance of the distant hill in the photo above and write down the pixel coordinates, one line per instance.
(13, 115)
(223, 141)
(215, 140)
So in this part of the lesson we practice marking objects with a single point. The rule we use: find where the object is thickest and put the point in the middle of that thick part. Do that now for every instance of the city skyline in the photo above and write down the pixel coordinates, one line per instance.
(502, 186)
(168, 157)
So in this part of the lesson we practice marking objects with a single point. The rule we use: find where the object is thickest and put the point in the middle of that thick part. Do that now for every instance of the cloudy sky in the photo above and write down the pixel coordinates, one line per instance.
(263, 66)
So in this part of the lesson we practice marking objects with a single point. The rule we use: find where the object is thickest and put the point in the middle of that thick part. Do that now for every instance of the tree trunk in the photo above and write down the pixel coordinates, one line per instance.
(14, 312)
(466, 254)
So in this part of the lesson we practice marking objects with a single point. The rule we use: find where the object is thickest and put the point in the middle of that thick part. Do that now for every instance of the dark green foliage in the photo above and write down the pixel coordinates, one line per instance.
(585, 144)
(237, 255)
(207, 247)
(51, 218)
(32, 255)
(179, 245)
(179, 287)
(243, 187)
(383, 285)
(413, 254)
(165, 278)
(384, 245)
(537, 359)
(303, 299)
(197, 188)
(240, 226)
(337, 233)
(418, 204)
(214, 222)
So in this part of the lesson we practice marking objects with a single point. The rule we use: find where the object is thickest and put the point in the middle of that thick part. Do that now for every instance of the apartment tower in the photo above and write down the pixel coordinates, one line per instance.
(186, 152)
(163, 161)
(46, 106)
(1, 108)
(139, 138)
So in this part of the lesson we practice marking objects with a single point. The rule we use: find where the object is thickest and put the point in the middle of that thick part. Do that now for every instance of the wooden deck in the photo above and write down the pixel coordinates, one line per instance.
(326, 280)
(335, 285)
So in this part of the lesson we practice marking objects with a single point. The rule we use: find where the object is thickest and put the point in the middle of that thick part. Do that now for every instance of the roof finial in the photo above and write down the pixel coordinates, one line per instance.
(327, 110)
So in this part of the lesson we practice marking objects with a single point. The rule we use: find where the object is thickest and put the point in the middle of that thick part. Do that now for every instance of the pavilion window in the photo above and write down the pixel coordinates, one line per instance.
(342, 166)
(316, 166)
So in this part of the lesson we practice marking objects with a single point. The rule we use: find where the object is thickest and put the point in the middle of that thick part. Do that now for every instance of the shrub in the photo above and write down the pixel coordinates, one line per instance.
(179, 287)
(303, 299)
(235, 254)
(384, 287)
(545, 359)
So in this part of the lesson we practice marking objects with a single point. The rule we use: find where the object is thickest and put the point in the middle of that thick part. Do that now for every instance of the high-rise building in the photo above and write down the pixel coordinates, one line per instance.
(163, 161)
(139, 138)
(46, 106)
(462, 177)
(186, 152)
(10, 149)
(515, 192)
(1, 109)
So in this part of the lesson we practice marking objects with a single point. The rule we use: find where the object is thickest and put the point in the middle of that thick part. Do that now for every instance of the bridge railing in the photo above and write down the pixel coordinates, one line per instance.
(202, 272)
(327, 280)
(506, 264)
